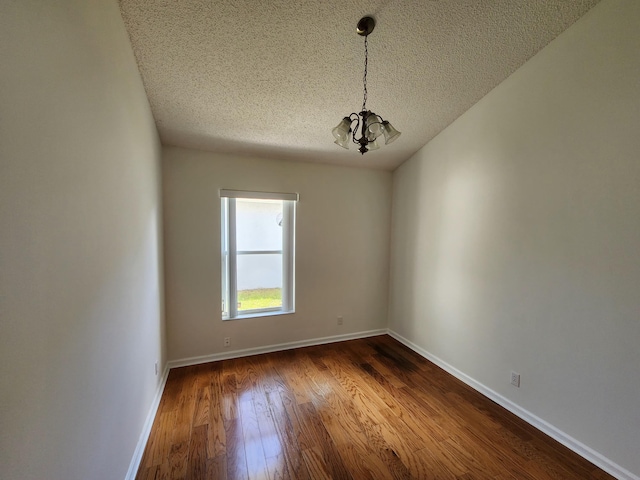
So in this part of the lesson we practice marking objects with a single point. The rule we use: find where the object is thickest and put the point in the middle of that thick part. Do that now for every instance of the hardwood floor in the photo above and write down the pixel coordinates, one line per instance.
(363, 409)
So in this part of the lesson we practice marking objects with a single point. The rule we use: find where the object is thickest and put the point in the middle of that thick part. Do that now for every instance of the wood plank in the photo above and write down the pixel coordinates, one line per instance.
(159, 448)
(197, 460)
(314, 461)
(185, 408)
(178, 457)
(216, 437)
(203, 402)
(217, 468)
(290, 433)
(278, 467)
(235, 456)
(229, 394)
(254, 451)
(315, 429)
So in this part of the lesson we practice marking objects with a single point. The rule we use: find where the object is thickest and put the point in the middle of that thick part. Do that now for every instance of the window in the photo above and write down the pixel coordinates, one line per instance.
(258, 233)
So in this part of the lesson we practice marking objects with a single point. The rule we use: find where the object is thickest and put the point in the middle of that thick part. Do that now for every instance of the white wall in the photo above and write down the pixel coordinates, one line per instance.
(342, 250)
(80, 296)
(516, 236)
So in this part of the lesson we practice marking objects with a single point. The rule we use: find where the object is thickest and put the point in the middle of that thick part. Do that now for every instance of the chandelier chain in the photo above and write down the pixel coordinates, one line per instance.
(364, 78)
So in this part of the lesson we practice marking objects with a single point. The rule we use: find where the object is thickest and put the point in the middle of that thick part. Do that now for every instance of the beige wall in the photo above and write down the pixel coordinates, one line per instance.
(516, 237)
(80, 296)
(342, 250)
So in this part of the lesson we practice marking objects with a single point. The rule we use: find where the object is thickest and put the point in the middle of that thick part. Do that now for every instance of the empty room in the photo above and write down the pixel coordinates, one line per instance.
(311, 240)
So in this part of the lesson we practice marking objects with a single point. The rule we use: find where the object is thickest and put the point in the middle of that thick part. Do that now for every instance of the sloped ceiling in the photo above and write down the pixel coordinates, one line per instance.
(272, 78)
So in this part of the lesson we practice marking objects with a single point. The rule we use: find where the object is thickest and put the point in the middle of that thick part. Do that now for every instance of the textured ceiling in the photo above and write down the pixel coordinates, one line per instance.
(272, 78)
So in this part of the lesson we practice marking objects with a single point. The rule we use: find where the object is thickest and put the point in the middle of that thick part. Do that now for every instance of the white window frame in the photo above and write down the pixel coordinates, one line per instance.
(229, 253)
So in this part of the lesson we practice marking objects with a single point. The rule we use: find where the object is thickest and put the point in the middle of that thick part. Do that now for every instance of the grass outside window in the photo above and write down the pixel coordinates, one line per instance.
(259, 298)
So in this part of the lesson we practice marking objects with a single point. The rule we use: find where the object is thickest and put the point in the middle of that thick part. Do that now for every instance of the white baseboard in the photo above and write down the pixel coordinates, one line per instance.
(273, 348)
(545, 427)
(146, 429)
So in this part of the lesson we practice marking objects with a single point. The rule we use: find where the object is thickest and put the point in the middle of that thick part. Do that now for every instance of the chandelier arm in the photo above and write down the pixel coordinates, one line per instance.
(355, 130)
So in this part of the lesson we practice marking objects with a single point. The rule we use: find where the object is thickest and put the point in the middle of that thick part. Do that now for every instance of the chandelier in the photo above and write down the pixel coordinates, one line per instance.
(371, 125)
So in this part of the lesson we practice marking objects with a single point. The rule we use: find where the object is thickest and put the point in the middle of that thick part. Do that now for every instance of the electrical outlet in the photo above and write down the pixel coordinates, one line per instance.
(340, 320)
(515, 379)
(227, 341)
(156, 368)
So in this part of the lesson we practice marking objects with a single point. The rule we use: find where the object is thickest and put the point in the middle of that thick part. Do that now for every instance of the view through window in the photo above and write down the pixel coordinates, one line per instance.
(257, 253)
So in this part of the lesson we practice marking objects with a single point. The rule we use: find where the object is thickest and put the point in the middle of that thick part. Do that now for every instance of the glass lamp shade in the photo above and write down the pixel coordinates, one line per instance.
(344, 143)
(372, 127)
(373, 145)
(341, 133)
(390, 133)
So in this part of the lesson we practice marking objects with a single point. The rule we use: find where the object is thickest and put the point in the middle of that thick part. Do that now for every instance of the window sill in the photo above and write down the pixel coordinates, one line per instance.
(258, 315)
